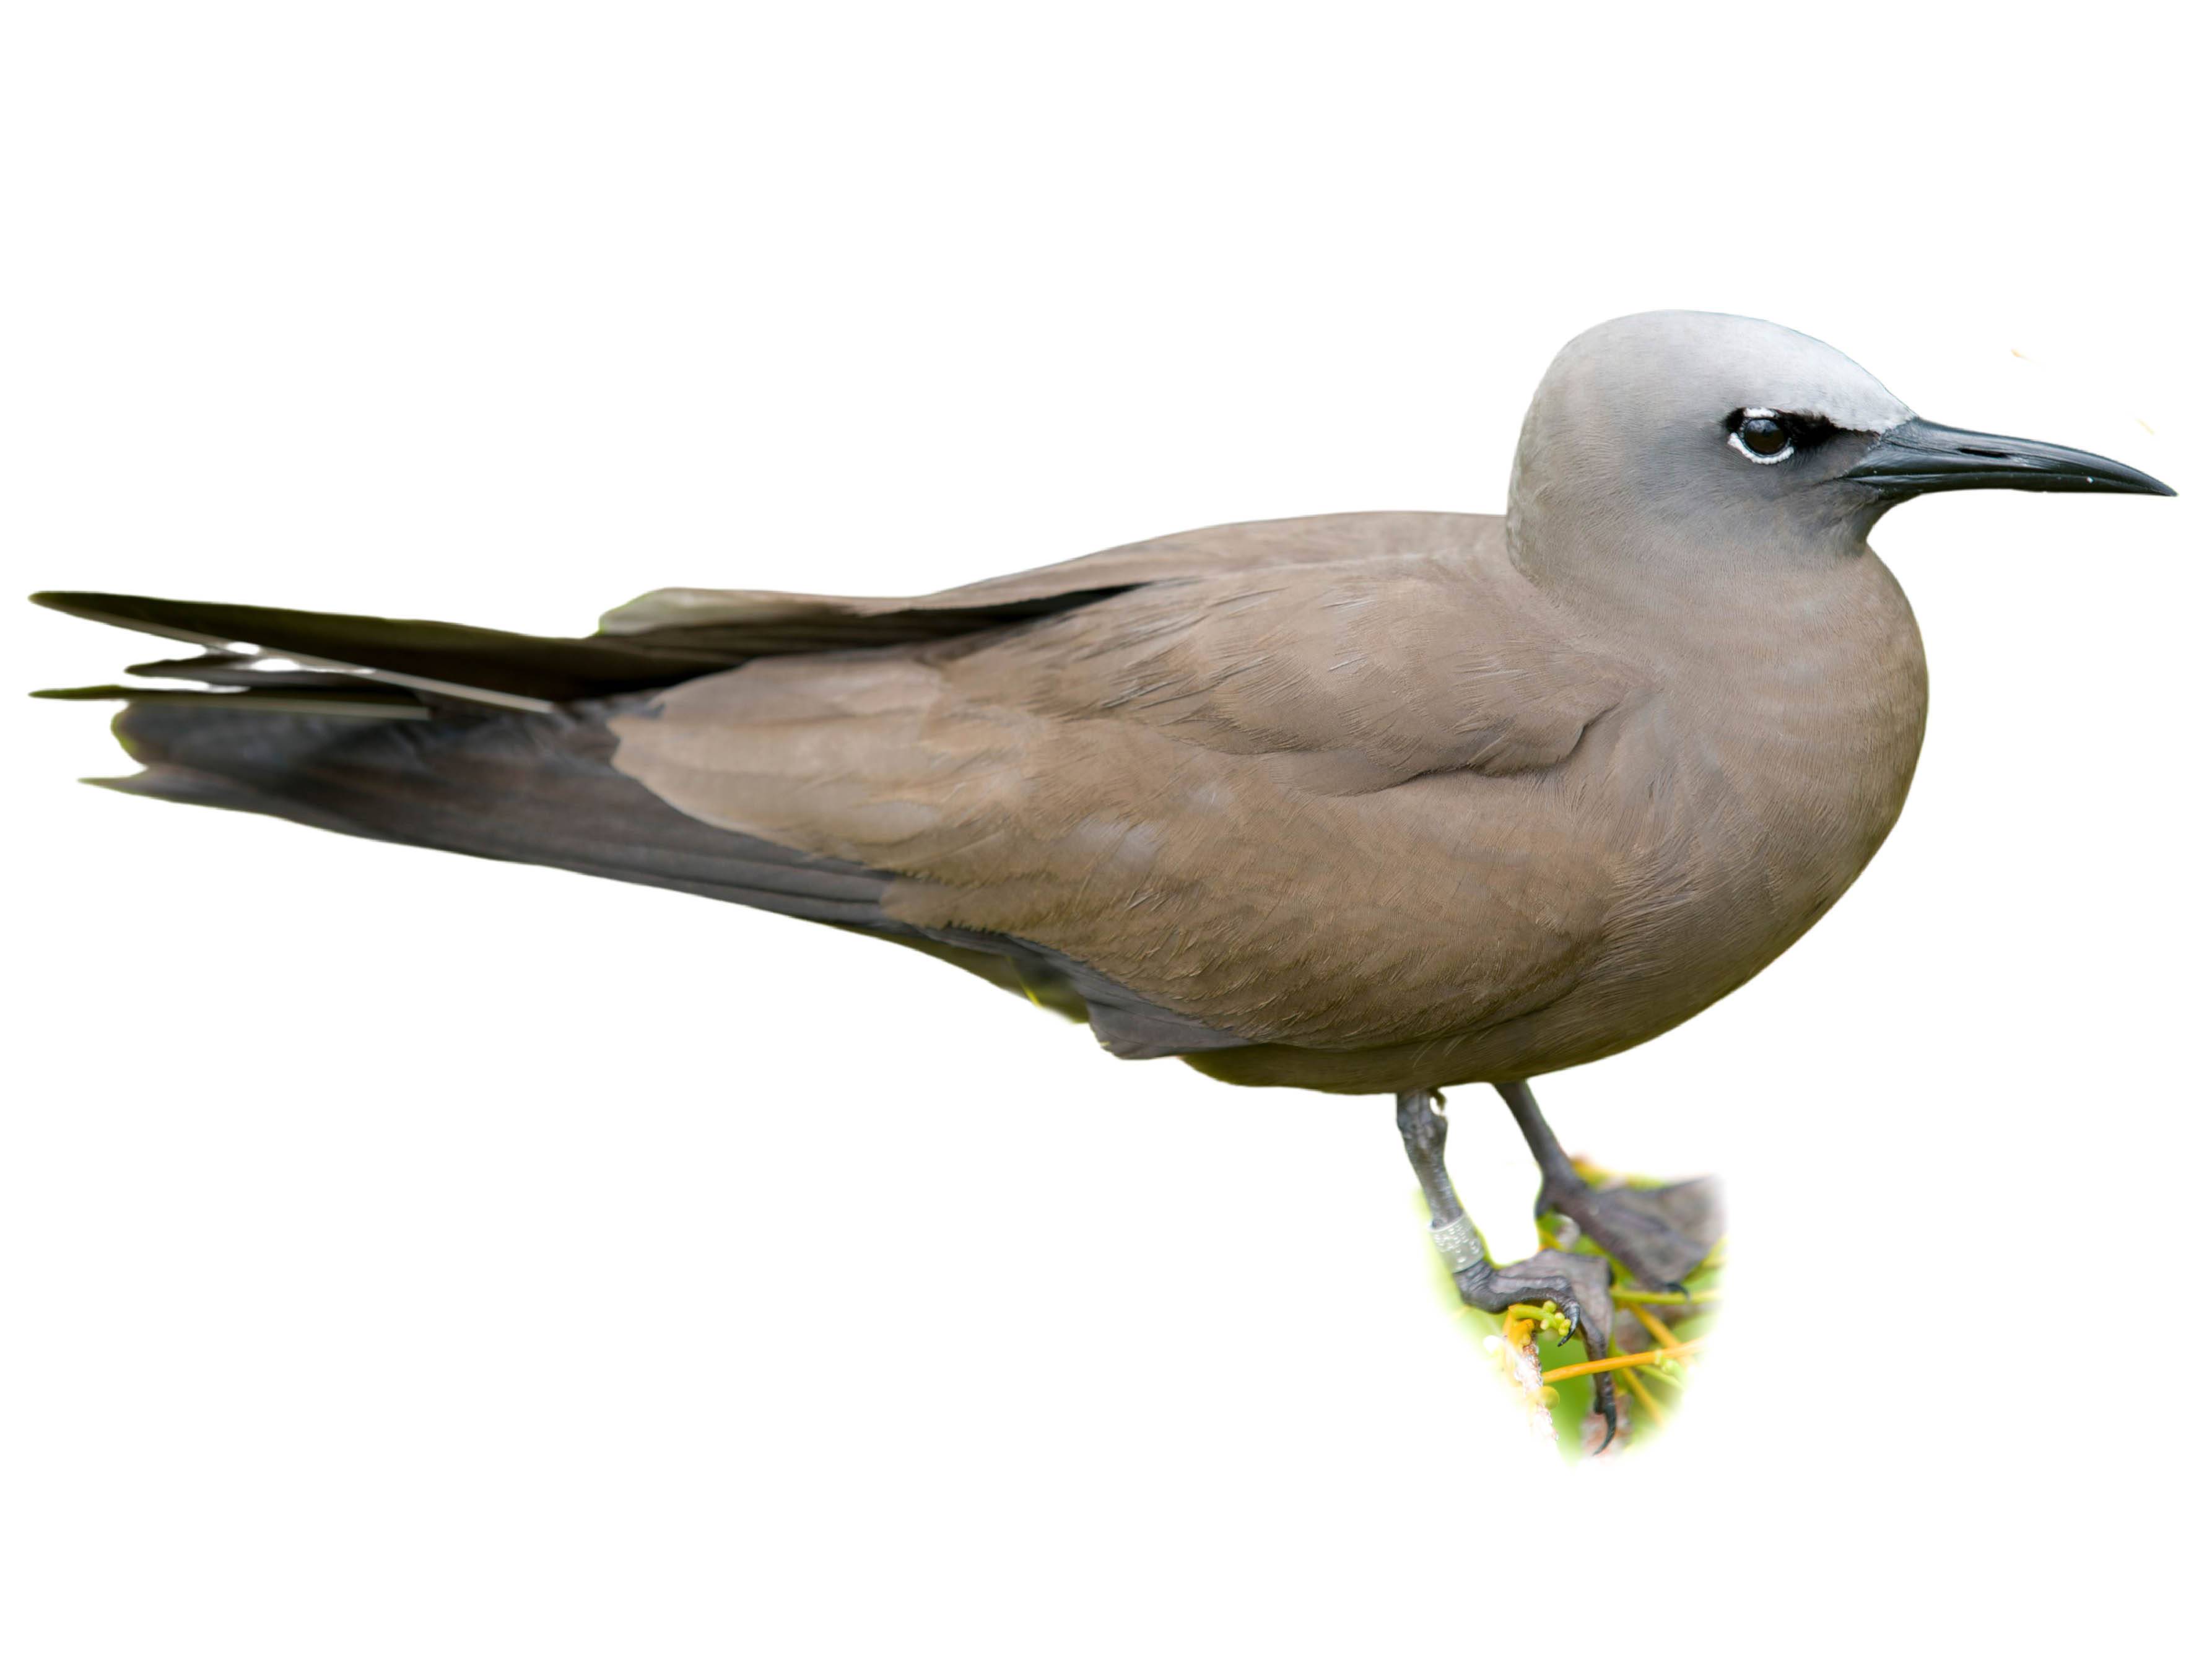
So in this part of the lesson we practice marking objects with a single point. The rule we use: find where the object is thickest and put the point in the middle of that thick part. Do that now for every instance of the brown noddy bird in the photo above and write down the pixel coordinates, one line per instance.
(1373, 803)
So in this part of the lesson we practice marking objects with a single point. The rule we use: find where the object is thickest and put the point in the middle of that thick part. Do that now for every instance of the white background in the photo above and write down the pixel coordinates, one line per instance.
(405, 1254)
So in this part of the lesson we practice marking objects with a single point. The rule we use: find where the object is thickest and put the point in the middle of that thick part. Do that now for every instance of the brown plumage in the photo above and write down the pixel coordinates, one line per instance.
(1371, 803)
(1353, 790)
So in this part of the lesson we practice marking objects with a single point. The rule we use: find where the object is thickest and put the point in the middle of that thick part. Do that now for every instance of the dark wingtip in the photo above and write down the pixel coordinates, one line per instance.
(2133, 481)
(117, 609)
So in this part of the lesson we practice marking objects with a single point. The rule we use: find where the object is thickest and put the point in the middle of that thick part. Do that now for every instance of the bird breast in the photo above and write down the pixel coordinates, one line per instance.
(1768, 773)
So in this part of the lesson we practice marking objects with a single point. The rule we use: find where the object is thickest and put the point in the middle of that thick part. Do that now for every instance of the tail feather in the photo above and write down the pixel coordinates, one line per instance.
(497, 745)
(531, 789)
(477, 665)
(470, 739)
(358, 699)
(489, 666)
(250, 671)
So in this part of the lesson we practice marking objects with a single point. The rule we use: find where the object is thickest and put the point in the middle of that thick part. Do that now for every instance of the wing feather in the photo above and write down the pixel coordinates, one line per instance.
(1323, 804)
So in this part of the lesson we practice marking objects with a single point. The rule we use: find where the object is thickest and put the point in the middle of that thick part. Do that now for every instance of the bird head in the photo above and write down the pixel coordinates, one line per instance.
(1696, 440)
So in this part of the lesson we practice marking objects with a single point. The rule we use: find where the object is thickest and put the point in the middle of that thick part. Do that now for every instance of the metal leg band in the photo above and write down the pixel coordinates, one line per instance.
(1459, 1245)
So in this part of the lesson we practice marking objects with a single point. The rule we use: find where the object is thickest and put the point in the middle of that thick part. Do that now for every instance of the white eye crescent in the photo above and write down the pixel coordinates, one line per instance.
(1760, 437)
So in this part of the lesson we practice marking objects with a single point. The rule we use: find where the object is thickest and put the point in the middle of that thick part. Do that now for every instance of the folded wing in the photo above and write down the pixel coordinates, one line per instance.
(1307, 782)
(1323, 802)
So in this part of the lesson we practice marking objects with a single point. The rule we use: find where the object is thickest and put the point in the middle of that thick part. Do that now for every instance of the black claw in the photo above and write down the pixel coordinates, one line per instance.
(1604, 1392)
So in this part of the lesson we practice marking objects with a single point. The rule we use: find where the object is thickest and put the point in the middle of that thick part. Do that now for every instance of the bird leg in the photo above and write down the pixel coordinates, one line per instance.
(1660, 1234)
(1577, 1284)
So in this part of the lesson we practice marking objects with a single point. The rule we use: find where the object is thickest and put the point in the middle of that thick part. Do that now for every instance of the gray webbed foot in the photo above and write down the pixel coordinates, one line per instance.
(1662, 1234)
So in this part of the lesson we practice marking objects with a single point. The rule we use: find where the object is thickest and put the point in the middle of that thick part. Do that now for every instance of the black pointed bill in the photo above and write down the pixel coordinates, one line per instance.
(1918, 456)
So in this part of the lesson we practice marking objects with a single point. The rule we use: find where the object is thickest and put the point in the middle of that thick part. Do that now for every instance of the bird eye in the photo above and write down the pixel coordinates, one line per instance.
(1760, 435)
